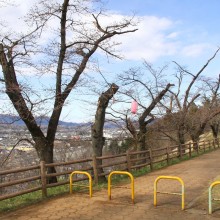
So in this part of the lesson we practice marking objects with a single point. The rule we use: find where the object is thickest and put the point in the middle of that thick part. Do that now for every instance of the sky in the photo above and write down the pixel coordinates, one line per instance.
(185, 31)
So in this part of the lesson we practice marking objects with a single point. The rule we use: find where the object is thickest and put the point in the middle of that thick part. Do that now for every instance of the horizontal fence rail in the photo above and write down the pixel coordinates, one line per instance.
(38, 177)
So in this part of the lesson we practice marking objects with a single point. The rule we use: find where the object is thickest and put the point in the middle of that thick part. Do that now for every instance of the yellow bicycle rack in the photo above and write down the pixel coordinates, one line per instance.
(121, 173)
(172, 178)
(84, 173)
(210, 195)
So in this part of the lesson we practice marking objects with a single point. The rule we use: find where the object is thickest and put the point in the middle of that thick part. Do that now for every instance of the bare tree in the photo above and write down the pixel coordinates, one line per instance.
(199, 116)
(66, 55)
(181, 103)
(212, 102)
(148, 91)
(215, 126)
(98, 140)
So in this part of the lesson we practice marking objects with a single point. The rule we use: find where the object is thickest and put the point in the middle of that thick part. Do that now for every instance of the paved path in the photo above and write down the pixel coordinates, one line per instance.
(197, 175)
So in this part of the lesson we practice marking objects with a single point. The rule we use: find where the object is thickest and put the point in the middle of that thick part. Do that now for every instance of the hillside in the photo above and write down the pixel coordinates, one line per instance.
(43, 121)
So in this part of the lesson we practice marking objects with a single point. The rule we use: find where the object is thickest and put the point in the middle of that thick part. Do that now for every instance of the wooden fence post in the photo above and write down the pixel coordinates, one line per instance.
(43, 178)
(128, 161)
(151, 159)
(210, 147)
(94, 165)
(168, 156)
(213, 144)
(197, 143)
(217, 139)
(190, 150)
(180, 149)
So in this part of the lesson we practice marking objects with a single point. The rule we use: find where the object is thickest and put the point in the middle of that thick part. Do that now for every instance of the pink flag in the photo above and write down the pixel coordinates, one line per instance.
(134, 107)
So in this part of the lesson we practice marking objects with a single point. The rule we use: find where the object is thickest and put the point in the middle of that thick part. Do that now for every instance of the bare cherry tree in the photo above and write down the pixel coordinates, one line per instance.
(61, 40)
(183, 102)
(212, 101)
(146, 87)
(200, 115)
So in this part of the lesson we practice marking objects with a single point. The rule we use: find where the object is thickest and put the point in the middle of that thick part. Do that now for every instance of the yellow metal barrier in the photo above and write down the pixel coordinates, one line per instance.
(172, 178)
(210, 195)
(84, 173)
(121, 173)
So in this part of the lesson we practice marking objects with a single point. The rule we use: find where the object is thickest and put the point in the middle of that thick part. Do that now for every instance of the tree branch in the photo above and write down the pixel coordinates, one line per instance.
(13, 147)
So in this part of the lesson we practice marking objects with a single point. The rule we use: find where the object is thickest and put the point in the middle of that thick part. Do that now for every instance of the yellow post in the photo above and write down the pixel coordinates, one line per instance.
(121, 173)
(84, 173)
(210, 195)
(172, 178)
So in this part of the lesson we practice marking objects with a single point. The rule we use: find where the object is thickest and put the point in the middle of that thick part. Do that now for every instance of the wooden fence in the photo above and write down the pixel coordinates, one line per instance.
(129, 161)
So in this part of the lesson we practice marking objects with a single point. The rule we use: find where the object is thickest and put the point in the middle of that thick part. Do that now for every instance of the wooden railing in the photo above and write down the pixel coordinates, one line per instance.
(128, 161)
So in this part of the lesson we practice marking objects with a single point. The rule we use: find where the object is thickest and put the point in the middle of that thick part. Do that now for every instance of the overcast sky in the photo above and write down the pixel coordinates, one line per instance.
(186, 31)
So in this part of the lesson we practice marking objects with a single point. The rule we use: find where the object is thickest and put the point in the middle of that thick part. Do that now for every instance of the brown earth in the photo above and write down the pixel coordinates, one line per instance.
(196, 173)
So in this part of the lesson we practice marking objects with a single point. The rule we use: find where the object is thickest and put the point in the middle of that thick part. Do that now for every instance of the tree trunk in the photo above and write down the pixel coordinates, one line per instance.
(215, 129)
(97, 146)
(181, 134)
(181, 137)
(195, 134)
(98, 140)
(132, 130)
(142, 142)
(147, 112)
(44, 150)
(142, 137)
(195, 140)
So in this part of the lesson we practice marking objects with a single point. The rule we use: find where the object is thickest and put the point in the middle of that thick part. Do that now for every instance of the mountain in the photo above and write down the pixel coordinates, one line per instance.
(43, 121)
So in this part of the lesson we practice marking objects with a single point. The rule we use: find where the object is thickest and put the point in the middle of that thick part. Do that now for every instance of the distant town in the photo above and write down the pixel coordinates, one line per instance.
(71, 142)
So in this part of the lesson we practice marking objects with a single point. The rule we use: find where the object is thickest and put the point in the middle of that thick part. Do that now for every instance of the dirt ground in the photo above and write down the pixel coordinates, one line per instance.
(197, 175)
